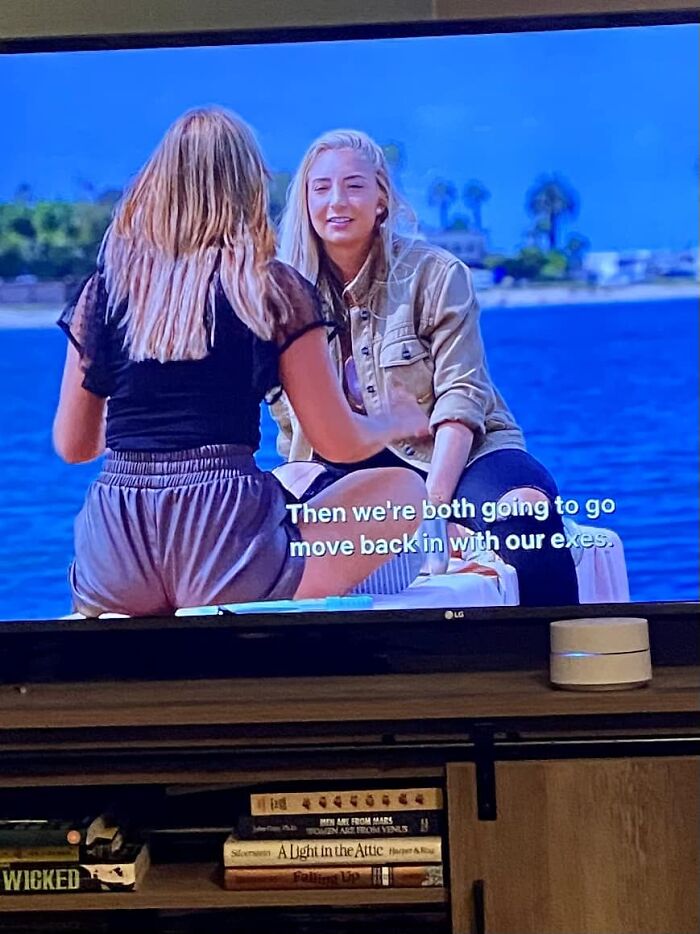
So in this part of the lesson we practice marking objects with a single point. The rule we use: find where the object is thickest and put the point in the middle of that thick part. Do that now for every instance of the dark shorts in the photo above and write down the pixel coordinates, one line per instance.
(483, 480)
(546, 576)
(186, 528)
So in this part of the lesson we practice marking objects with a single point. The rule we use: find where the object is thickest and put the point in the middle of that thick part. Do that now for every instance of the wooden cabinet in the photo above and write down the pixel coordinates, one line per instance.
(567, 813)
(578, 845)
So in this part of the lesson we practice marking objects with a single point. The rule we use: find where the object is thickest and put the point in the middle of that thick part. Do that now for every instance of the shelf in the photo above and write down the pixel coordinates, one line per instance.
(396, 698)
(197, 886)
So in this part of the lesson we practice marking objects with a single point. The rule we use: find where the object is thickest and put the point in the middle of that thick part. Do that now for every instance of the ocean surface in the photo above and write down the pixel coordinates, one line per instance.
(607, 395)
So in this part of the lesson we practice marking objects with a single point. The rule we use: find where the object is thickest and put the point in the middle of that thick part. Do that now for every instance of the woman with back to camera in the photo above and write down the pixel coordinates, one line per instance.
(175, 340)
(408, 319)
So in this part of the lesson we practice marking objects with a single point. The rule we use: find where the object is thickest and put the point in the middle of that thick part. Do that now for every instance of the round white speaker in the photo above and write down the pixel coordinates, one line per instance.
(599, 654)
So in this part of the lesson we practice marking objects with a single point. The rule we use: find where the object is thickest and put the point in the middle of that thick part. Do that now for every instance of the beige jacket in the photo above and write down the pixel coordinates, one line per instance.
(419, 331)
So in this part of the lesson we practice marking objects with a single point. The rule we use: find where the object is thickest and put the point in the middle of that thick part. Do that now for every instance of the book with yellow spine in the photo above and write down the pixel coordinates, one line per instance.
(332, 852)
(347, 802)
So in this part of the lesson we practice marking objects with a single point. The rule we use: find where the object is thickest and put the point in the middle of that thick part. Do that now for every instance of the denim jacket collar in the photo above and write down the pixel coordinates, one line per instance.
(358, 291)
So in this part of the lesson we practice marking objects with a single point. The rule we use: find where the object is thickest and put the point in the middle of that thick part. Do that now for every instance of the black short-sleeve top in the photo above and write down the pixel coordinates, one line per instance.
(183, 404)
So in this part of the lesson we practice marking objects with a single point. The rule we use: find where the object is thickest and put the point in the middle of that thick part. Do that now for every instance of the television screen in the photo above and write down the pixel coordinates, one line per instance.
(383, 322)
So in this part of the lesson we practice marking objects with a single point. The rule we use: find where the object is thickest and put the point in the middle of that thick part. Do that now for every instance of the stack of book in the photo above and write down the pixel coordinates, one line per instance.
(338, 839)
(60, 857)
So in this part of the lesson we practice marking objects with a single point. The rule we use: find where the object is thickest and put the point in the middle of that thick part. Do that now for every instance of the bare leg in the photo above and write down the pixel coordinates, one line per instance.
(526, 494)
(336, 574)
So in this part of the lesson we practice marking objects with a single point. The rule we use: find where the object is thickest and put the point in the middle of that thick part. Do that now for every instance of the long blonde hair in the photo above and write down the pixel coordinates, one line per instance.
(300, 246)
(198, 206)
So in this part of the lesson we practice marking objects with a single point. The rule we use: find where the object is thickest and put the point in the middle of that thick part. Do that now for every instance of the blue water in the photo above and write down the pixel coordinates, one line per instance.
(607, 395)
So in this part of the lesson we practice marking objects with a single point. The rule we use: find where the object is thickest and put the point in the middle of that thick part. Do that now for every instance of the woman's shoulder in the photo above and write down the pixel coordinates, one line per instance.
(294, 302)
(288, 278)
(421, 253)
(428, 266)
(301, 294)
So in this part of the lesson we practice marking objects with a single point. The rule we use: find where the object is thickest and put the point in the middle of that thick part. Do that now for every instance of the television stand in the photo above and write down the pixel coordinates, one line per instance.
(565, 811)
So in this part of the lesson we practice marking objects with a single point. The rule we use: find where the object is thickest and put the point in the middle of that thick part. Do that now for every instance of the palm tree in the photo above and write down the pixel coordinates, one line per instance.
(442, 195)
(576, 248)
(475, 194)
(550, 200)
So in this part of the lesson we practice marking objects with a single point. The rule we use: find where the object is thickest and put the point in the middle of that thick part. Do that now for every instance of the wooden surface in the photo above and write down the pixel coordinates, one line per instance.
(74, 773)
(85, 17)
(594, 846)
(316, 700)
(464, 9)
(198, 886)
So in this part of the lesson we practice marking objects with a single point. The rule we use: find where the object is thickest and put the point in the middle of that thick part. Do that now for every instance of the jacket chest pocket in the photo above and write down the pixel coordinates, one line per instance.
(407, 362)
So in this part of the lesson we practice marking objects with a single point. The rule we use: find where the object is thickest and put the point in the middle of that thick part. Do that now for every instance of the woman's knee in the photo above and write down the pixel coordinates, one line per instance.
(399, 490)
(524, 494)
(405, 488)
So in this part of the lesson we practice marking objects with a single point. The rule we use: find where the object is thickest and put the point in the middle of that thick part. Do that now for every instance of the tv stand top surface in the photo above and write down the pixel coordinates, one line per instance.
(395, 698)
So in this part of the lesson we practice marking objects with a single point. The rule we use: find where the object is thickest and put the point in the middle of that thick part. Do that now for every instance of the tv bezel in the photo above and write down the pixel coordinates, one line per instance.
(683, 610)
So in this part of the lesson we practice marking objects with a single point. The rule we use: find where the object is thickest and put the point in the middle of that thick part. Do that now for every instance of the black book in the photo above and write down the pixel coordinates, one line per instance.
(33, 833)
(296, 826)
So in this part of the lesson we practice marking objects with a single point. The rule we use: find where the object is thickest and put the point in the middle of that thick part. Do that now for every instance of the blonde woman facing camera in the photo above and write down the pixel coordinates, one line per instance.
(187, 323)
(408, 323)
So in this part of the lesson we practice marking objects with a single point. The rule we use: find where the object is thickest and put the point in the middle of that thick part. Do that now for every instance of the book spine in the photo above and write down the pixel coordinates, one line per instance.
(334, 877)
(39, 854)
(11, 837)
(366, 850)
(347, 802)
(66, 877)
(391, 824)
(56, 878)
(42, 833)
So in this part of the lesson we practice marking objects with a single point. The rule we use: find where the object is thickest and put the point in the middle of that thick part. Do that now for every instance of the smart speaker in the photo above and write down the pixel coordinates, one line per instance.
(599, 654)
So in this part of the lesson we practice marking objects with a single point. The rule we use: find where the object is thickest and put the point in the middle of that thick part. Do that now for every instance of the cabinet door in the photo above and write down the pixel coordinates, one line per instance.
(594, 846)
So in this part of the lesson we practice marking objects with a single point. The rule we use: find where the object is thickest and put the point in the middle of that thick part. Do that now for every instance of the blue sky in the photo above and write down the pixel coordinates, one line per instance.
(613, 110)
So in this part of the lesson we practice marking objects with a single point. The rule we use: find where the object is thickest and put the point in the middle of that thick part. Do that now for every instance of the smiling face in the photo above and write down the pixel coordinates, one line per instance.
(344, 200)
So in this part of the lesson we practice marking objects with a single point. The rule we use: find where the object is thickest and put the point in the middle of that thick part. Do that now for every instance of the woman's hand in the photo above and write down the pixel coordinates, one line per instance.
(337, 433)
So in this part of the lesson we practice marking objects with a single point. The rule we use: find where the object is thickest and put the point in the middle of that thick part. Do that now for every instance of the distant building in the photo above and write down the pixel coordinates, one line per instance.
(601, 267)
(675, 263)
(468, 245)
(617, 268)
(629, 266)
(634, 266)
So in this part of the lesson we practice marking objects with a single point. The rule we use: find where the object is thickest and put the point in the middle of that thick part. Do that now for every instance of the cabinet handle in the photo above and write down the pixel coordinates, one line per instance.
(479, 907)
(485, 764)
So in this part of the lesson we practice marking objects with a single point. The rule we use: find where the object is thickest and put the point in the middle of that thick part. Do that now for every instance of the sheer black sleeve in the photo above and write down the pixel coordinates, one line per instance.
(306, 312)
(296, 310)
(83, 321)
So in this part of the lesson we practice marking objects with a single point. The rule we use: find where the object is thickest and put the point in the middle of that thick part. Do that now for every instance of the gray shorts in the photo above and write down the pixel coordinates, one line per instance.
(185, 528)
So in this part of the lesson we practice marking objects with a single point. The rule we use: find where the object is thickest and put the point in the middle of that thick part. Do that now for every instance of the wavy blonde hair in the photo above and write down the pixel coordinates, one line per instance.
(300, 245)
(198, 206)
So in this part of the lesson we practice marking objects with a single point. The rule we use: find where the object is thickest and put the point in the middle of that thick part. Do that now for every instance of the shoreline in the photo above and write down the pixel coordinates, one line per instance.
(576, 294)
(28, 317)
